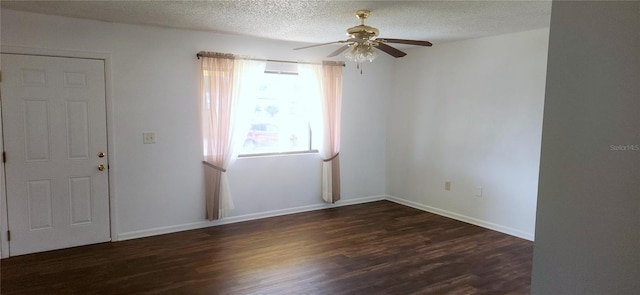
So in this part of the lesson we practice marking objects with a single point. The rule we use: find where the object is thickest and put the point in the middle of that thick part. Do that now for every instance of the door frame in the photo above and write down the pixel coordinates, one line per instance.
(106, 57)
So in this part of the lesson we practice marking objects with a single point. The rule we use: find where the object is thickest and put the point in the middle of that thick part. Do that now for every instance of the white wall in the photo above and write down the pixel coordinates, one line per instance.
(588, 224)
(154, 87)
(470, 112)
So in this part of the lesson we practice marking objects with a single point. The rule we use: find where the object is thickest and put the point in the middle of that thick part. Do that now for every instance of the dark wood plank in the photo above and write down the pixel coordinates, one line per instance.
(373, 248)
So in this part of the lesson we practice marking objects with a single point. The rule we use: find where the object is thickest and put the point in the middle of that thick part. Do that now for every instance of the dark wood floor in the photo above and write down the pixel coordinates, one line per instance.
(373, 248)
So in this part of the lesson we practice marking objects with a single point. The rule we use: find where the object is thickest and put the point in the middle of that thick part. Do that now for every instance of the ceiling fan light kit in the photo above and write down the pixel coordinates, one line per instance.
(358, 53)
(363, 41)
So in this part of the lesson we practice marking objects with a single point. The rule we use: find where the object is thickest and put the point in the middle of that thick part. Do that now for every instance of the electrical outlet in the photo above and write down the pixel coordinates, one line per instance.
(447, 185)
(148, 138)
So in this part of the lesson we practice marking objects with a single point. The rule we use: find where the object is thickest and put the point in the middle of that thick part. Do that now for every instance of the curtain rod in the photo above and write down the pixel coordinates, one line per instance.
(231, 56)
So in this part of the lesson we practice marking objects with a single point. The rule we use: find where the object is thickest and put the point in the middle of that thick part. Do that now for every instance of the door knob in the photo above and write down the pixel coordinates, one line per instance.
(101, 167)
(100, 155)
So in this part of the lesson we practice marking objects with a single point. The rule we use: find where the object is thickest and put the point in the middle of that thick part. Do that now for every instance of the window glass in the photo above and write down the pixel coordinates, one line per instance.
(278, 121)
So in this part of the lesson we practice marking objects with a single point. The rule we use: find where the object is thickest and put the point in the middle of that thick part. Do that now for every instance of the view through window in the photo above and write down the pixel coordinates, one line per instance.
(278, 121)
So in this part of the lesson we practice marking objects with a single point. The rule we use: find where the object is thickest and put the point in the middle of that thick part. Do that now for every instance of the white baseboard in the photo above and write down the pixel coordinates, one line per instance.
(254, 216)
(241, 218)
(161, 230)
(467, 219)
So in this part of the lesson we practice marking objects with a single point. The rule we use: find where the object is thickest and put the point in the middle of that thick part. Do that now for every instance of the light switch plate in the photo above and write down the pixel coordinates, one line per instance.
(148, 138)
(478, 191)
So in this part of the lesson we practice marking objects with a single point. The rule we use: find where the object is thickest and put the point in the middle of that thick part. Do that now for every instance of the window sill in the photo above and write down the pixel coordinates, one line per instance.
(277, 154)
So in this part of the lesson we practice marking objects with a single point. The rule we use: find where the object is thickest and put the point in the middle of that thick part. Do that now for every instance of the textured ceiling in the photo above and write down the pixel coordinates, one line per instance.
(313, 21)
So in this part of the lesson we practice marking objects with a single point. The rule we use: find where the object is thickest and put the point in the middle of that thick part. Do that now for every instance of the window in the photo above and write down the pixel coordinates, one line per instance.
(277, 115)
(266, 111)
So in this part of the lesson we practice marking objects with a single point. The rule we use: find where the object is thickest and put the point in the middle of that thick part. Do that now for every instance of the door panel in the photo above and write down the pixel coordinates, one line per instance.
(54, 126)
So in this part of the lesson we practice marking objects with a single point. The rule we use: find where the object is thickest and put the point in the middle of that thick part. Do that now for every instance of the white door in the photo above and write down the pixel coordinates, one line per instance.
(54, 127)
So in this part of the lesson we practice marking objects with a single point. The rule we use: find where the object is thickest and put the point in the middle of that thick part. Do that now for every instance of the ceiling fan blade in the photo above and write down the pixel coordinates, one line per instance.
(321, 44)
(404, 41)
(390, 50)
(338, 51)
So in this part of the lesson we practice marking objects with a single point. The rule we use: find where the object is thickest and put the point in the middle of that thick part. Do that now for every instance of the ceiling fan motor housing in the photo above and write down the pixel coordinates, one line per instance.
(362, 31)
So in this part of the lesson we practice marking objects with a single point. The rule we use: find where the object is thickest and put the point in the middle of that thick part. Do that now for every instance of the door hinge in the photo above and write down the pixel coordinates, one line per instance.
(8, 235)
(0, 76)
(4, 157)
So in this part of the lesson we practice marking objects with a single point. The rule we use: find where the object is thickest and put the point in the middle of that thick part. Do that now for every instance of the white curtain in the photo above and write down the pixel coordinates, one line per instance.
(245, 90)
(328, 77)
(227, 91)
(215, 114)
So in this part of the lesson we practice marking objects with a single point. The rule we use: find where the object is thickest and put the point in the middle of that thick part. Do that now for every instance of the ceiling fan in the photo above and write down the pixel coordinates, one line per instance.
(362, 41)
